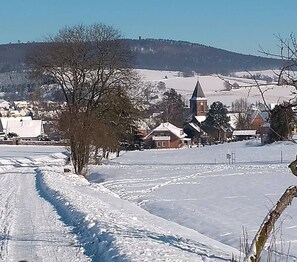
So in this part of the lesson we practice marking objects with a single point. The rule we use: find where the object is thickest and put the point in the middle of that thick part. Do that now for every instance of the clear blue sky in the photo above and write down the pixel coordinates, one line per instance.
(235, 25)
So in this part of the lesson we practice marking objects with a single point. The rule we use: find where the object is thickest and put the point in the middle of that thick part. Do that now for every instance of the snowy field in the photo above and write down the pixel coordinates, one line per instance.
(185, 205)
(213, 86)
(199, 189)
(49, 215)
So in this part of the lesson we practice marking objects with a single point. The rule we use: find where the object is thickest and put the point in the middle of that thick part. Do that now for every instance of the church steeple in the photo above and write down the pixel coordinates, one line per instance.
(198, 102)
(198, 92)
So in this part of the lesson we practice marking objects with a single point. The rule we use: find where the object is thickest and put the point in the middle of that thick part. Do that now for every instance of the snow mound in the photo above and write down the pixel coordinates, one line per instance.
(113, 229)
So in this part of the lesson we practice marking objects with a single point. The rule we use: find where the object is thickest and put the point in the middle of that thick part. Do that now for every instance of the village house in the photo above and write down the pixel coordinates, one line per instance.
(195, 133)
(240, 135)
(20, 104)
(198, 113)
(4, 104)
(24, 127)
(4, 107)
(258, 119)
(165, 135)
(259, 126)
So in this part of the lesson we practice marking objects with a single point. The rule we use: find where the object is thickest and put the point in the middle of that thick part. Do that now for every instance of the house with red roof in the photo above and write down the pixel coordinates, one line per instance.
(165, 135)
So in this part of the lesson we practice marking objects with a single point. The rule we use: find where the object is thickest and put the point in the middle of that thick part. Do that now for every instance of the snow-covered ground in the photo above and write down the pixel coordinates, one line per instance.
(49, 215)
(199, 189)
(188, 204)
(213, 86)
(30, 227)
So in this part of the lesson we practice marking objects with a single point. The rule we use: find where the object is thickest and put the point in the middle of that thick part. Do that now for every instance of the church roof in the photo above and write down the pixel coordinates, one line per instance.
(200, 119)
(198, 92)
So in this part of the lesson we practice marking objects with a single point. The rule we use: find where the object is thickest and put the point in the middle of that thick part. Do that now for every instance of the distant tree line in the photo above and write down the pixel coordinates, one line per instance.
(186, 57)
(160, 55)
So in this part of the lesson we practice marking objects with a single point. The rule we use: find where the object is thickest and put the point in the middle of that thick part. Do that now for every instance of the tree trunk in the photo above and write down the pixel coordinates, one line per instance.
(268, 224)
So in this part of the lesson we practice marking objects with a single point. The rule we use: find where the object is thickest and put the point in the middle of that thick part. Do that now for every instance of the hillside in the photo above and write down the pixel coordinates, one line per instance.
(187, 57)
(214, 89)
(161, 55)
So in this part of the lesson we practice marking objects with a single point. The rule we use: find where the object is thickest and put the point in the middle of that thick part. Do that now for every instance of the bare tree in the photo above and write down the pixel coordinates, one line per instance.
(288, 54)
(282, 118)
(118, 123)
(172, 108)
(88, 63)
(286, 76)
(244, 113)
(240, 105)
(243, 121)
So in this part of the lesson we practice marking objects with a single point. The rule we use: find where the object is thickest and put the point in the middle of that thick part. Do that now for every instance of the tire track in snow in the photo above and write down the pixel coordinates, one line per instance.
(6, 201)
(30, 226)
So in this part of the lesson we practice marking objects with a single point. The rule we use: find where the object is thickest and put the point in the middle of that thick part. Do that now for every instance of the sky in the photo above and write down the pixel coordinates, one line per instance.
(244, 26)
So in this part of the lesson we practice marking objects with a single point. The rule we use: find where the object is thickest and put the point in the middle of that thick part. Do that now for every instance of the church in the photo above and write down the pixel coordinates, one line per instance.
(198, 103)
(198, 112)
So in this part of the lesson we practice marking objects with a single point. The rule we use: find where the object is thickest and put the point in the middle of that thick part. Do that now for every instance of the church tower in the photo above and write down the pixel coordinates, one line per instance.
(198, 102)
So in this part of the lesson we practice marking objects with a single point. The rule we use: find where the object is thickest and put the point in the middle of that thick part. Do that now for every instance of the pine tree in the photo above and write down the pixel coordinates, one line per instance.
(217, 116)
(172, 108)
(216, 120)
(281, 122)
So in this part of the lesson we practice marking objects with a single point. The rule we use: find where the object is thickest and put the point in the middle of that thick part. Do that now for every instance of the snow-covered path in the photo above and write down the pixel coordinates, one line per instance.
(113, 229)
(30, 227)
(49, 215)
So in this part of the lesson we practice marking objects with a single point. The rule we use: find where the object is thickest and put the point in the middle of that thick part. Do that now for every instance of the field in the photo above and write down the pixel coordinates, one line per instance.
(214, 90)
(188, 204)
(199, 189)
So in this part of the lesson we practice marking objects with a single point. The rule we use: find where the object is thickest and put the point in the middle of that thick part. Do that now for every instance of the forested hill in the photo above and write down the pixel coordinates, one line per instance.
(161, 55)
(185, 56)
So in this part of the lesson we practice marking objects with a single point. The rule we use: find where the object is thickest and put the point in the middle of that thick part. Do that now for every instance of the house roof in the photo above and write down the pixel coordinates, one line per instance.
(24, 128)
(244, 132)
(233, 119)
(263, 114)
(4, 104)
(198, 92)
(169, 127)
(141, 125)
(200, 119)
(5, 120)
(196, 127)
(161, 138)
(22, 103)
